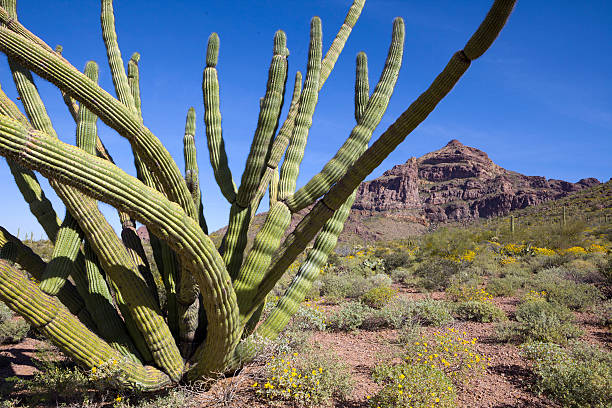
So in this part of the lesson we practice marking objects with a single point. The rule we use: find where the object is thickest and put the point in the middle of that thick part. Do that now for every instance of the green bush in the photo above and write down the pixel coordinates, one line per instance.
(416, 386)
(403, 275)
(396, 260)
(12, 330)
(484, 312)
(349, 317)
(539, 320)
(310, 378)
(60, 381)
(308, 317)
(378, 296)
(509, 283)
(396, 314)
(431, 312)
(603, 314)
(576, 296)
(580, 376)
(435, 273)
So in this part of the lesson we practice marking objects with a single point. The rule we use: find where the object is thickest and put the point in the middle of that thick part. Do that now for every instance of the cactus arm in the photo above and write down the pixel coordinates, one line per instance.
(327, 238)
(212, 120)
(113, 53)
(187, 299)
(110, 325)
(331, 56)
(39, 204)
(191, 166)
(162, 217)
(303, 121)
(362, 86)
(372, 116)
(73, 107)
(116, 262)
(69, 334)
(267, 241)
(234, 241)
(268, 120)
(274, 187)
(280, 144)
(134, 82)
(112, 112)
(13, 250)
(305, 231)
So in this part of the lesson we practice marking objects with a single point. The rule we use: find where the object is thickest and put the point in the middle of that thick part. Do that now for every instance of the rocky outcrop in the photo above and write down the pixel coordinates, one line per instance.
(454, 183)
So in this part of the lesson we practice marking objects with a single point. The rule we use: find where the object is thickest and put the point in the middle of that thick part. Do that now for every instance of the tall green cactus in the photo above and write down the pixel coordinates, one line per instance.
(97, 299)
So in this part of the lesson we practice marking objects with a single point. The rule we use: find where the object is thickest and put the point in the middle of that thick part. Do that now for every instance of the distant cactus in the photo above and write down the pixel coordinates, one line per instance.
(512, 224)
(97, 298)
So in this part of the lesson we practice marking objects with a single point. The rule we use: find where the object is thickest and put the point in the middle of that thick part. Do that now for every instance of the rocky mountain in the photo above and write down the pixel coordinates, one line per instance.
(454, 183)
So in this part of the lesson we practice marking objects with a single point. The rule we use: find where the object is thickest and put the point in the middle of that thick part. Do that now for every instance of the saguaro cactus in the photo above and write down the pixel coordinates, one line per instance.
(209, 320)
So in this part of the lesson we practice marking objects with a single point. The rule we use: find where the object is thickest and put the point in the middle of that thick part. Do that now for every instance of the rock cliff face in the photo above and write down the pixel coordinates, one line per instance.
(457, 182)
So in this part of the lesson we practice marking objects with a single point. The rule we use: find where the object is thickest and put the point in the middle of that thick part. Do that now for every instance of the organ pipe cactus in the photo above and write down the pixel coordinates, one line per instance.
(97, 298)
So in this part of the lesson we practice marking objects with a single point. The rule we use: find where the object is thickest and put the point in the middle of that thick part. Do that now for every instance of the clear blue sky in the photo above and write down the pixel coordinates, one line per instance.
(538, 102)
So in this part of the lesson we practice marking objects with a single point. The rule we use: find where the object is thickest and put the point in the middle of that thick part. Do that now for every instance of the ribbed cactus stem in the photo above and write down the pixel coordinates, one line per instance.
(65, 331)
(362, 85)
(148, 206)
(52, 67)
(279, 145)
(512, 224)
(188, 293)
(348, 152)
(134, 82)
(266, 243)
(212, 119)
(269, 115)
(331, 56)
(113, 53)
(327, 238)
(13, 250)
(303, 121)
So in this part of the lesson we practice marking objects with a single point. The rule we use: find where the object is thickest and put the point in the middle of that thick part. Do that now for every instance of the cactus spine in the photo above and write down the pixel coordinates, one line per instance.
(214, 297)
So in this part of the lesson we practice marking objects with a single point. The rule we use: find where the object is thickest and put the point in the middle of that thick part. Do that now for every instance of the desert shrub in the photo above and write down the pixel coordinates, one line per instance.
(12, 330)
(430, 370)
(350, 285)
(478, 311)
(538, 263)
(466, 293)
(396, 260)
(403, 275)
(309, 316)
(584, 271)
(349, 316)
(539, 320)
(576, 296)
(409, 333)
(396, 314)
(435, 273)
(451, 351)
(310, 378)
(416, 386)
(61, 381)
(431, 312)
(603, 314)
(378, 296)
(580, 376)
